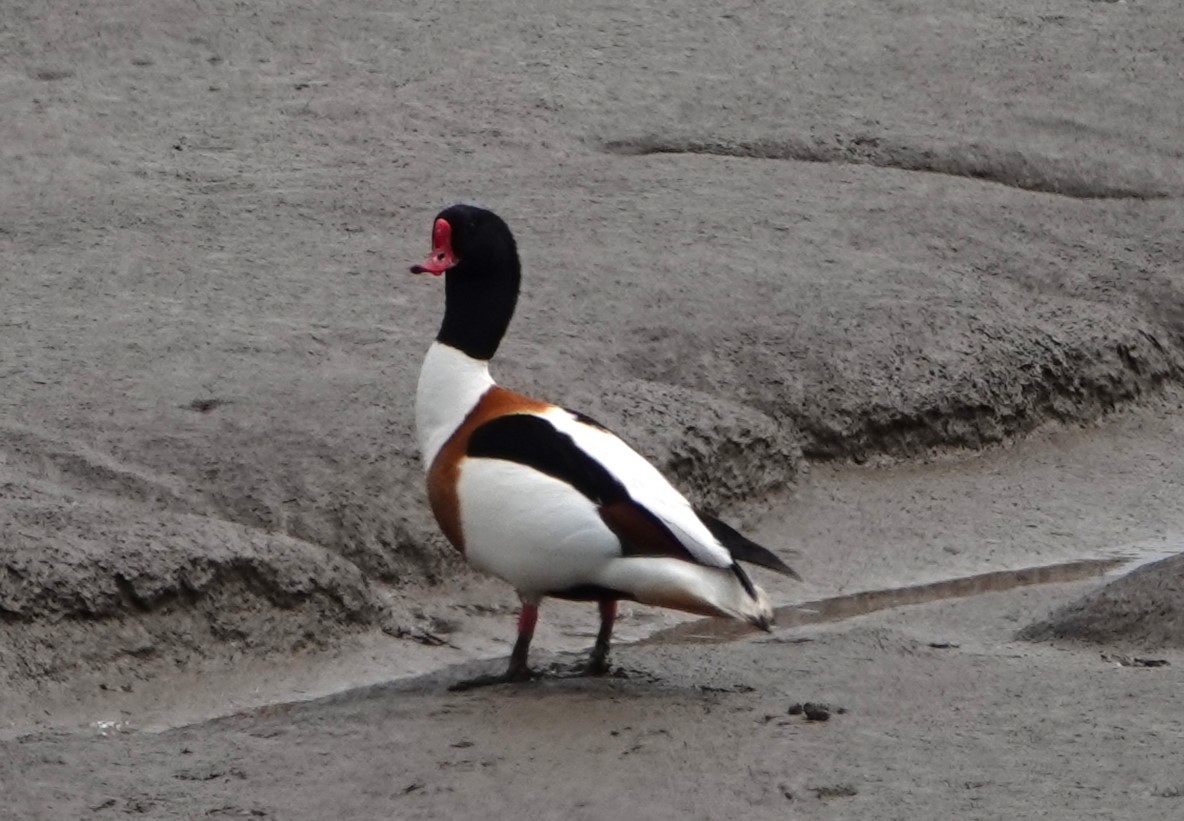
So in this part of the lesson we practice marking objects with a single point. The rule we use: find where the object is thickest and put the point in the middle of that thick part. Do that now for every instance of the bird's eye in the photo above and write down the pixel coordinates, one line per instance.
(440, 255)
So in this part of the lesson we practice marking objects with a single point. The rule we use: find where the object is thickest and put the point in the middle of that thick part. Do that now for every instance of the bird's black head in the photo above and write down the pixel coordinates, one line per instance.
(465, 233)
(477, 252)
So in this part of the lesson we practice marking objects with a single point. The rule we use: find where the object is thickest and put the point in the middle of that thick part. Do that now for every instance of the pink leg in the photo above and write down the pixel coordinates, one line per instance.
(528, 617)
(518, 670)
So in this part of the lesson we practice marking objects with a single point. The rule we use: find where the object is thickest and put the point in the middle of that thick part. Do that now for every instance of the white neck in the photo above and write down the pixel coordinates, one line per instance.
(450, 384)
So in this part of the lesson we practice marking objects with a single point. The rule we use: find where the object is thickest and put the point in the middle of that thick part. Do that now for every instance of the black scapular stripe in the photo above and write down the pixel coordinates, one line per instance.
(744, 549)
(534, 442)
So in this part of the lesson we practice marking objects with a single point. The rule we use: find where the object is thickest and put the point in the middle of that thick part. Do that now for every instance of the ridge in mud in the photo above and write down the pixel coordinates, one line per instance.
(1015, 168)
(1144, 609)
(1076, 387)
(838, 608)
(91, 586)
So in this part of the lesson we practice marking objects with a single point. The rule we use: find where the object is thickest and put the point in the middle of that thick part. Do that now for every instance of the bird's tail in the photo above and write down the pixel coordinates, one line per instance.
(692, 588)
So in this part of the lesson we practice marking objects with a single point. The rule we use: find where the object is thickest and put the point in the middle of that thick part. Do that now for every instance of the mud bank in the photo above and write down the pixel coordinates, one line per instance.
(752, 238)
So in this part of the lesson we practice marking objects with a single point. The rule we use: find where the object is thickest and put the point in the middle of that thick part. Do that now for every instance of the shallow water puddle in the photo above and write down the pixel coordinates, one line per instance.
(837, 608)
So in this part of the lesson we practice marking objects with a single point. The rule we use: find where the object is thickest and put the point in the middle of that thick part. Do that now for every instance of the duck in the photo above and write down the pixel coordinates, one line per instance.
(545, 498)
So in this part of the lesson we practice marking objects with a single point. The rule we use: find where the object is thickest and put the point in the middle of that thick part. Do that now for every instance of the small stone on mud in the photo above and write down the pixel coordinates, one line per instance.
(1129, 661)
(816, 712)
(1144, 662)
(206, 405)
(53, 73)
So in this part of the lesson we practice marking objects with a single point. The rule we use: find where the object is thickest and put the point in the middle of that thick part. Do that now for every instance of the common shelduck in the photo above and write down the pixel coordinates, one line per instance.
(545, 498)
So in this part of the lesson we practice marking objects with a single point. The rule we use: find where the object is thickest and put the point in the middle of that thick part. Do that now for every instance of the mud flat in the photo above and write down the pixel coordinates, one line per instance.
(765, 244)
(787, 237)
(944, 710)
(933, 710)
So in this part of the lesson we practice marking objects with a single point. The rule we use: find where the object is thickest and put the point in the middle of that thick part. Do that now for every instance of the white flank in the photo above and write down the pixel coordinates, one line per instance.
(646, 485)
(450, 384)
(537, 533)
(543, 536)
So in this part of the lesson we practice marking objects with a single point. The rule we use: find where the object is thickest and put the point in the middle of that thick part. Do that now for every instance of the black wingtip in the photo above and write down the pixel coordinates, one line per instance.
(744, 549)
(745, 582)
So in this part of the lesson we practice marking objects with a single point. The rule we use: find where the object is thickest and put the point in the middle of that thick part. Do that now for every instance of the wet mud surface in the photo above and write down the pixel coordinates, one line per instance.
(766, 244)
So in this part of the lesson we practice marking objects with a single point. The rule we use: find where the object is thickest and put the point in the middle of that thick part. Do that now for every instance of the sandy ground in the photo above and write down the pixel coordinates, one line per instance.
(978, 726)
(946, 713)
(750, 236)
(763, 243)
(1059, 496)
